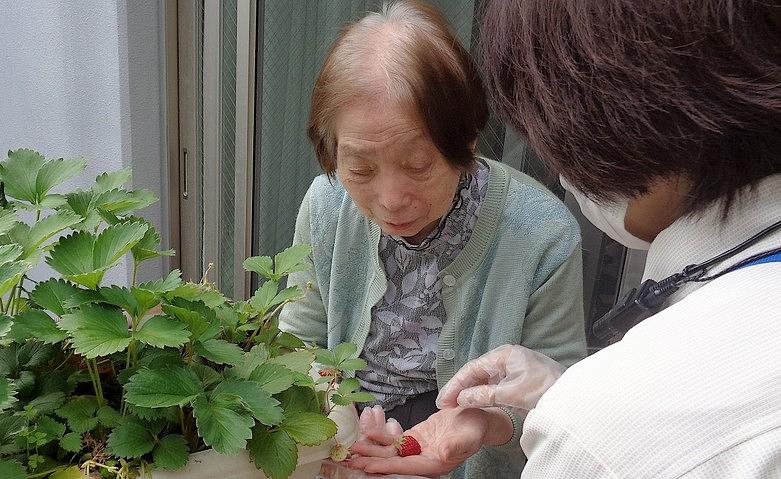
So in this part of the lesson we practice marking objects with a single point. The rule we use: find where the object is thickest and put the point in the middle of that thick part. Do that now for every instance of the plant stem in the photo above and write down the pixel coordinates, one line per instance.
(263, 321)
(92, 367)
(182, 422)
(135, 272)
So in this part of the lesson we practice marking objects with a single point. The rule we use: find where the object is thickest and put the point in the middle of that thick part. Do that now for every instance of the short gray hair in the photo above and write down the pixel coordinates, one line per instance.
(405, 53)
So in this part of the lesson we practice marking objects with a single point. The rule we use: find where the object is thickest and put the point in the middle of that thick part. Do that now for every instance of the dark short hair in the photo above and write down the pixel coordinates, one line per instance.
(617, 94)
(406, 53)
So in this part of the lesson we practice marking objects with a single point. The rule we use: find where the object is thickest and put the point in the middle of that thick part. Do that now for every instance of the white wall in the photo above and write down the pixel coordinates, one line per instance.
(84, 78)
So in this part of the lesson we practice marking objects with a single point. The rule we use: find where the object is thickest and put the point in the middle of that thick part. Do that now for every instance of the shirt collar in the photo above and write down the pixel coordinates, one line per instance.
(694, 239)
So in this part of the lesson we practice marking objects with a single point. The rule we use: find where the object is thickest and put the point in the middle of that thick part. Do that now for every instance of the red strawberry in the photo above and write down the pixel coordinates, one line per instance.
(408, 446)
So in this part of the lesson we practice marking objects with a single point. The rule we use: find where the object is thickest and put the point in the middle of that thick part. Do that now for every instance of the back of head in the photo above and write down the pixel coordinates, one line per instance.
(406, 53)
(615, 94)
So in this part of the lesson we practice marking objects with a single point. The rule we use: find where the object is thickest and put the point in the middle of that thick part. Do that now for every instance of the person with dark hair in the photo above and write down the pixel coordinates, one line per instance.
(664, 121)
(416, 238)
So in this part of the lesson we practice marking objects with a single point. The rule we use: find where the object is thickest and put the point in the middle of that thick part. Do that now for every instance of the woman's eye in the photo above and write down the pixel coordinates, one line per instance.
(360, 172)
(418, 169)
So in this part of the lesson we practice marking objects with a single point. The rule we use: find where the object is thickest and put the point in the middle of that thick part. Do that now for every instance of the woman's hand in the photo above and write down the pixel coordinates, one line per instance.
(511, 376)
(447, 439)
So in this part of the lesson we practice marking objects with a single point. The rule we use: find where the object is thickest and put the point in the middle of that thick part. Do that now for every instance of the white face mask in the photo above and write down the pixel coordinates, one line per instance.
(608, 218)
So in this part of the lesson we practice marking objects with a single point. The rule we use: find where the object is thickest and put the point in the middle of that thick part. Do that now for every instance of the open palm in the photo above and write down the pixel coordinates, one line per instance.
(447, 439)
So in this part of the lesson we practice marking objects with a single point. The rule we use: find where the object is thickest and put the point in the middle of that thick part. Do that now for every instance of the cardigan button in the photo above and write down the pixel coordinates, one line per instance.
(449, 280)
(448, 354)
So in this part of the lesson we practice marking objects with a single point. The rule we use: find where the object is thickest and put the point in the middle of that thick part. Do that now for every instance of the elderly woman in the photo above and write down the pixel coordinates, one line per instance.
(425, 255)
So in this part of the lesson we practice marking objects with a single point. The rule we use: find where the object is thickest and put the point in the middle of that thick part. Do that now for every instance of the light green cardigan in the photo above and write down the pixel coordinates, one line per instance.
(517, 281)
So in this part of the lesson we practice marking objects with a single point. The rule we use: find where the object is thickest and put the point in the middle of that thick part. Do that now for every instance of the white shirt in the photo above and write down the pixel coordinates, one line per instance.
(692, 392)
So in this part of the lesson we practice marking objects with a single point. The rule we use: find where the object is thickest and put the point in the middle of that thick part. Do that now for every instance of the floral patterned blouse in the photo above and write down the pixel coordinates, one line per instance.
(402, 343)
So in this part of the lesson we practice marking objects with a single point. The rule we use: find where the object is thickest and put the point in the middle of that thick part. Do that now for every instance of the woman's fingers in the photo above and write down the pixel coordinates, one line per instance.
(478, 397)
(393, 428)
(383, 438)
(374, 450)
(410, 465)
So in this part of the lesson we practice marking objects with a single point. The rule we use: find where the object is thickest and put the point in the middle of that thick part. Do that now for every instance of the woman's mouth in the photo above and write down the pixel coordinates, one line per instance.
(400, 225)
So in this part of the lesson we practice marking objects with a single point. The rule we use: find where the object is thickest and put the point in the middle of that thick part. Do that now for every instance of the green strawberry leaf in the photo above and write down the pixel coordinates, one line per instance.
(99, 330)
(48, 403)
(262, 265)
(308, 428)
(206, 375)
(169, 414)
(71, 442)
(164, 285)
(108, 416)
(10, 427)
(292, 259)
(11, 273)
(11, 470)
(116, 240)
(112, 180)
(274, 452)
(80, 413)
(53, 429)
(264, 297)
(326, 357)
(344, 351)
(288, 294)
(36, 324)
(52, 294)
(156, 388)
(7, 394)
(54, 172)
(20, 173)
(72, 472)
(119, 202)
(161, 332)
(9, 252)
(219, 351)
(349, 392)
(252, 359)
(289, 341)
(149, 246)
(171, 453)
(253, 397)
(220, 425)
(6, 323)
(8, 220)
(273, 378)
(299, 399)
(356, 364)
(32, 238)
(28, 176)
(130, 440)
(84, 258)
(297, 361)
(72, 257)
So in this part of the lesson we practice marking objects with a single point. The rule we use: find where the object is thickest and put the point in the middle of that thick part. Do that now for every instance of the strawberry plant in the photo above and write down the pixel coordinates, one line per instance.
(115, 380)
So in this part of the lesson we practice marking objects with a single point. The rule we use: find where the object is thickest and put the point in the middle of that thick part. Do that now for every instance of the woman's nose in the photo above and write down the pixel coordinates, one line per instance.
(393, 196)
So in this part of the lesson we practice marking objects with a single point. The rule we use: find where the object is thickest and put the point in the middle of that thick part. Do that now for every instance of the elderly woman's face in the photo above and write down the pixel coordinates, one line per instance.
(392, 170)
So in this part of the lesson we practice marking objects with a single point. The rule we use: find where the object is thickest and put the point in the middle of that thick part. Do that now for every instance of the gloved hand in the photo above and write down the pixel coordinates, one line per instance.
(511, 376)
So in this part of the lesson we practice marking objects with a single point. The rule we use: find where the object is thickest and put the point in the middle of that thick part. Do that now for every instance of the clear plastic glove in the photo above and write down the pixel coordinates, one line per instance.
(510, 376)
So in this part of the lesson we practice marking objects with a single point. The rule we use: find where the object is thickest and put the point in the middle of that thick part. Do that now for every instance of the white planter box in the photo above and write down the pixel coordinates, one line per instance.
(213, 465)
